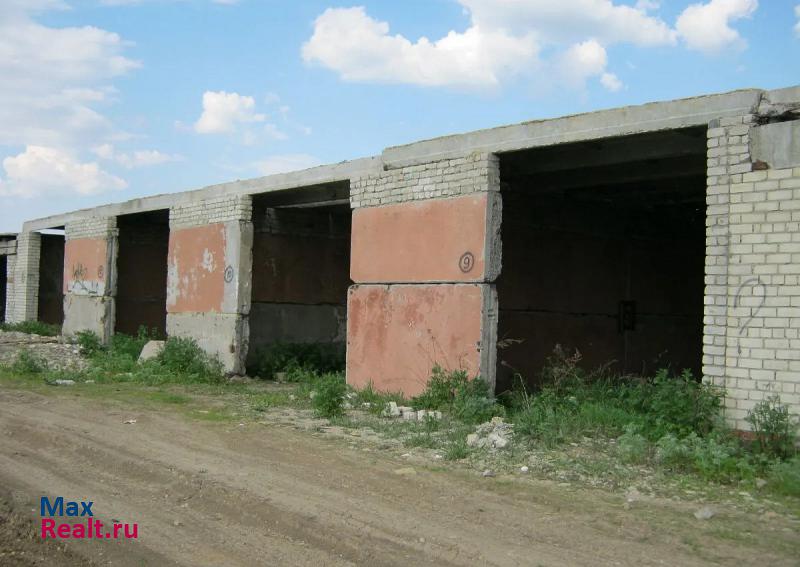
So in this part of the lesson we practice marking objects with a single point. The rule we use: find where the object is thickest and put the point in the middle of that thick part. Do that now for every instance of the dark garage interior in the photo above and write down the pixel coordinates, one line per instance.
(301, 266)
(142, 273)
(603, 252)
(51, 279)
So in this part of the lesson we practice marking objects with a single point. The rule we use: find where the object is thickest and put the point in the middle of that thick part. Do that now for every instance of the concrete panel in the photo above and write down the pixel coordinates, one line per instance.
(220, 334)
(196, 269)
(397, 333)
(777, 144)
(88, 313)
(293, 323)
(86, 262)
(438, 240)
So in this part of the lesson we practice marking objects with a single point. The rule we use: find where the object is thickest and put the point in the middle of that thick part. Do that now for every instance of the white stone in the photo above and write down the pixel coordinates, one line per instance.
(151, 350)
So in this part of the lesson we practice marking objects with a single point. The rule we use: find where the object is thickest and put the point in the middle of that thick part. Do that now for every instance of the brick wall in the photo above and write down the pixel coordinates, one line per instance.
(23, 290)
(445, 178)
(211, 211)
(91, 227)
(752, 297)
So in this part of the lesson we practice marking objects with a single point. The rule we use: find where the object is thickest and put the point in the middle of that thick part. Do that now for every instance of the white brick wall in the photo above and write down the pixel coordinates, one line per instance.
(11, 261)
(23, 290)
(211, 211)
(446, 178)
(752, 298)
(91, 227)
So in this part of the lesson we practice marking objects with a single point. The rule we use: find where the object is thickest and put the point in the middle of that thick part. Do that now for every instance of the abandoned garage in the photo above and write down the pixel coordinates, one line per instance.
(662, 235)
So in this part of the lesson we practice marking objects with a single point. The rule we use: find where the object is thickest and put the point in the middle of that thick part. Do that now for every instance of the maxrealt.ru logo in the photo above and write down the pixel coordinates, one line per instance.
(91, 528)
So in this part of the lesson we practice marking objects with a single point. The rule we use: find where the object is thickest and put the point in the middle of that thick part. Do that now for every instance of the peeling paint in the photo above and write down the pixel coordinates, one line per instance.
(195, 277)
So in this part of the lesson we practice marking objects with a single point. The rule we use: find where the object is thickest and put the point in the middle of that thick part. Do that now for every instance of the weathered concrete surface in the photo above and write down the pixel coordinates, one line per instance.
(397, 333)
(88, 313)
(777, 144)
(224, 335)
(440, 240)
(196, 261)
(86, 262)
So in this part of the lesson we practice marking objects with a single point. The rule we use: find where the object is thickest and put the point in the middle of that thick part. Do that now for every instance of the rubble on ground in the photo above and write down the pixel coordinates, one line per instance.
(409, 413)
(492, 435)
(55, 352)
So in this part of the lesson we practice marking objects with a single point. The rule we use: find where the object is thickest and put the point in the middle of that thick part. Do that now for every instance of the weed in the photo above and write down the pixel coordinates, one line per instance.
(89, 343)
(784, 477)
(183, 357)
(28, 363)
(468, 400)
(330, 395)
(286, 357)
(773, 426)
(456, 448)
(32, 328)
(632, 446)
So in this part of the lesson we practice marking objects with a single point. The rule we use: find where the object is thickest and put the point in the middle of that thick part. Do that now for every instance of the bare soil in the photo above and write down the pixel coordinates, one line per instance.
(265, 494)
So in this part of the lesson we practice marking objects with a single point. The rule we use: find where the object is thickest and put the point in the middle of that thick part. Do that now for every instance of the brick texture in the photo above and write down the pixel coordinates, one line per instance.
(23, 291)
(211, 211)
(752, 295)
(445, 178)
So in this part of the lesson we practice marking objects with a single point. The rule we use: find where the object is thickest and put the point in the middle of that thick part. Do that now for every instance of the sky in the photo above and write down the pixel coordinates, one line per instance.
(108, 100)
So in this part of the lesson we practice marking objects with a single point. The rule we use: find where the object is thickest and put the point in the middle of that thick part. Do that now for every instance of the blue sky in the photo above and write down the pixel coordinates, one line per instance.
(107, 100)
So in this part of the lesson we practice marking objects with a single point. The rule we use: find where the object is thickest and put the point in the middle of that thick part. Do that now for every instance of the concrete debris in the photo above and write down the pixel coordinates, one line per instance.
(64, 382)
(524, 469)
(409, 413)
(151, 350)
(760, 483)
(488, 473)
(129, 421)
(705, 513)
(493, 435)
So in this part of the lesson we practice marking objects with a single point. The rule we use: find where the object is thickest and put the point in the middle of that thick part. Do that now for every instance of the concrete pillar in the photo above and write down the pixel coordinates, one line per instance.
(752, 296)
(23, 286)
(90, 252)
(425, 253)
(209, 276)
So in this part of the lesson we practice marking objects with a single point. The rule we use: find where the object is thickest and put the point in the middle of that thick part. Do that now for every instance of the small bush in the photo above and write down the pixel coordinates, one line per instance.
(28, 363)
(183, 356)
(330, 395)
(632, 446)
(32, 328)
(468, 400)
(784, 477)
(285, 357)
(89, 343)
(713, 458)
(775, 429)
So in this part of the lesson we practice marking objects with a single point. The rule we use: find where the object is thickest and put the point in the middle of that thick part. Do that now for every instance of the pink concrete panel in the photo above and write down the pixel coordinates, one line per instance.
(85, 266)
(396, 334)
(434, 240)
(196, 269)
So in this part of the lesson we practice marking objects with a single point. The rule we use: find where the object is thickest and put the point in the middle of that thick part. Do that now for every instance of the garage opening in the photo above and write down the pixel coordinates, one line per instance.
(51, 278)
(3, 286)
(142, 273)
(603, 252)
(301, 268)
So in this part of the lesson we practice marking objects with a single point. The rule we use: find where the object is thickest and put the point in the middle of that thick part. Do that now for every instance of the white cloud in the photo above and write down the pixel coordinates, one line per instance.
(137, 158)
(797, 25)
(611, 82)
(223, 112)
(285, 163)
(706, 27)
(53, 77)
(44, 171)
(511, 38)
(360, 48)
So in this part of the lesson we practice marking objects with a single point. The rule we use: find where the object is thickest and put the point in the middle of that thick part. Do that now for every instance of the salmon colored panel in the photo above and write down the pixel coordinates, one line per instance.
(196, 269)
(434, 240)
(85, 269)
(396, 334)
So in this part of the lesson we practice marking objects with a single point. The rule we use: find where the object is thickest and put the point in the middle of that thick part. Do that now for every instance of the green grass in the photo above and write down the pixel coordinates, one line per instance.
(32, 328)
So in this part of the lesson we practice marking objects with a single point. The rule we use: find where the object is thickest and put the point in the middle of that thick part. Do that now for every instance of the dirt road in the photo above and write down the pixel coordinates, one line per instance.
(222, 494)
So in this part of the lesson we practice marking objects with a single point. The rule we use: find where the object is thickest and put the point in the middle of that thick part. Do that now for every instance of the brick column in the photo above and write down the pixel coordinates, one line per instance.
(209, 276)
(425, 253)
(90, 253)
(23, 285)
(752, 302)
(11, 261)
